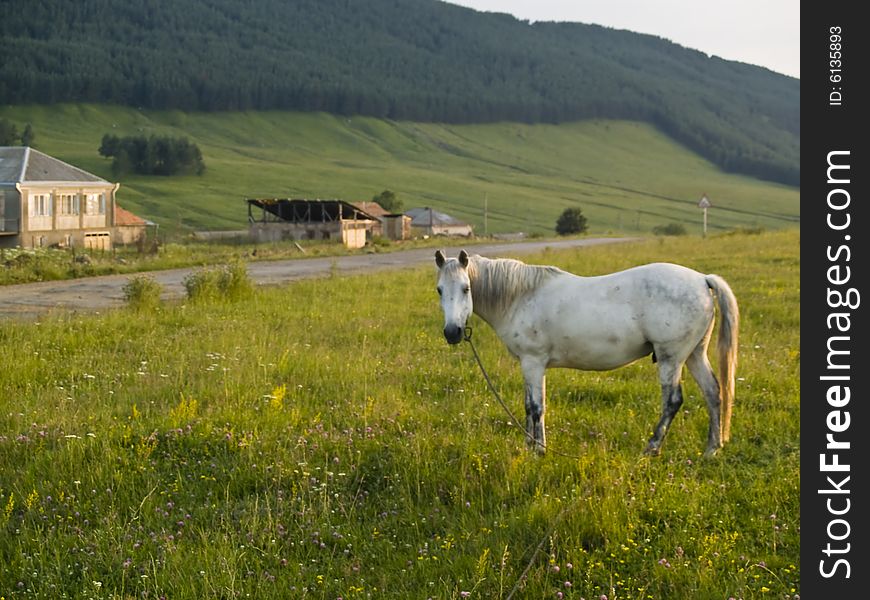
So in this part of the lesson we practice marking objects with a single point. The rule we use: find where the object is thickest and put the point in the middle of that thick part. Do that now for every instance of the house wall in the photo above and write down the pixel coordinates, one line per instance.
(128, 234)
(351, 233)
(276, 232)
(458, 230)
(397, 227)
(49, 221)
(10, 210)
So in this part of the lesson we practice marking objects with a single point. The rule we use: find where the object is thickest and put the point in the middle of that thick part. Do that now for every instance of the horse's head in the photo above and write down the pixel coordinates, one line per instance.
(454, 287)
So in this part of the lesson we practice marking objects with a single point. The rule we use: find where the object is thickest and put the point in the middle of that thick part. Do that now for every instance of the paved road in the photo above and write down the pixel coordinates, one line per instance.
(30, 300)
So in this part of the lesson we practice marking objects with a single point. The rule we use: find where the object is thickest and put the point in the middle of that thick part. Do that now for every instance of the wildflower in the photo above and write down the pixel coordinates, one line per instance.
(464, 594)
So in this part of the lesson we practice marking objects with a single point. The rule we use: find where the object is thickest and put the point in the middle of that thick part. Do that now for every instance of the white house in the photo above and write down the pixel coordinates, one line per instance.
(45, 201)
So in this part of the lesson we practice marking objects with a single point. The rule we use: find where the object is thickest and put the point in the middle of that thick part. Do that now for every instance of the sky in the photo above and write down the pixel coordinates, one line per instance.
(758, 32)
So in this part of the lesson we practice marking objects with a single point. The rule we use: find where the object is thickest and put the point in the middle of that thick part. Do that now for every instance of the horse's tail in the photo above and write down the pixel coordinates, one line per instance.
(727, 348)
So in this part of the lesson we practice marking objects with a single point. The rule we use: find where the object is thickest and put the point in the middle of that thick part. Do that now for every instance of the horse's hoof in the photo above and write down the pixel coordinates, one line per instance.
(652, 450)
(711, 452)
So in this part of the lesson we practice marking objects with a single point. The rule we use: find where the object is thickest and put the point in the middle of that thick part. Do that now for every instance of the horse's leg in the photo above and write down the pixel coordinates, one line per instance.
(672, 399)
(535, 380)
(699, 367)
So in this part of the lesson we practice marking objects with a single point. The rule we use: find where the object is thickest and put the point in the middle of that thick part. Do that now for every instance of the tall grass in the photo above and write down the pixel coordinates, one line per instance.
(142, 292)
(320, 440)
(224, 282)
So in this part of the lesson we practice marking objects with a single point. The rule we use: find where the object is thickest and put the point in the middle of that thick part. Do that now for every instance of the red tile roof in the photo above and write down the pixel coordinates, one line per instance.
(126, 218)
(373, 208)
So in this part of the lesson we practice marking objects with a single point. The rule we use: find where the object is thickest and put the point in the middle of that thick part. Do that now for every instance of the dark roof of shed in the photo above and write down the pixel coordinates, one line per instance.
(22, 164)
(314, 210)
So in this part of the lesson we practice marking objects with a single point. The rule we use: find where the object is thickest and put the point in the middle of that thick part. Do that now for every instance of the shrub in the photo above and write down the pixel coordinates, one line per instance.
(572, 220)
(229, 282)
(234, 282)
(202, 284)
(670, 229)
(142, 292)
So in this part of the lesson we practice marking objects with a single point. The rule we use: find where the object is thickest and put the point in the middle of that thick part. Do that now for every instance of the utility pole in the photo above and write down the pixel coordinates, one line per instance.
(704, 204)
(485, 211)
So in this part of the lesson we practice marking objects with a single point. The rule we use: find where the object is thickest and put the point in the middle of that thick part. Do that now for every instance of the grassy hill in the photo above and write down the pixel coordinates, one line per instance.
(626, 176)
(404, 60)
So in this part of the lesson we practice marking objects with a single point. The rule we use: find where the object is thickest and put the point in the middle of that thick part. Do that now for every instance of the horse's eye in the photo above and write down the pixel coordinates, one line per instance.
(439, 290)
(466, 289)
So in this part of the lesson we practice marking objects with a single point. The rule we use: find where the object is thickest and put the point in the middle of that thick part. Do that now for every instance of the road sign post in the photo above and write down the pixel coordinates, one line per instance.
(704, 204)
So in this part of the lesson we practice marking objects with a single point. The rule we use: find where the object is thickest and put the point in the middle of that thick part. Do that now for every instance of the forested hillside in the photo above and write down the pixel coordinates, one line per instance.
(416, 60)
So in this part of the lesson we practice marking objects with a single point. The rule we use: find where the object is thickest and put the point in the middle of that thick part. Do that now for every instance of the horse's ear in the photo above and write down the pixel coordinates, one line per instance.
(439, 258)
(463, 258)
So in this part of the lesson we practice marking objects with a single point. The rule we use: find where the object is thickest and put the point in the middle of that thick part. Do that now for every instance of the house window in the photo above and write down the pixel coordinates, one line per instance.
(95, 204)
(40, 205)
(69, 204)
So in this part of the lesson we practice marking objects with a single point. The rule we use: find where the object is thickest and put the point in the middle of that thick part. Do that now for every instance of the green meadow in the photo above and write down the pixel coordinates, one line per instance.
(321, 440)
(626, 177)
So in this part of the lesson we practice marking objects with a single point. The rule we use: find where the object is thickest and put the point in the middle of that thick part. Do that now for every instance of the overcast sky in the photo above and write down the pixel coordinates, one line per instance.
(759, 32)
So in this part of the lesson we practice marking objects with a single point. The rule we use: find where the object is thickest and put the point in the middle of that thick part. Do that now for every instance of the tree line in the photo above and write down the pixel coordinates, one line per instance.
(417, 60)
(9, 135)
(154, 155)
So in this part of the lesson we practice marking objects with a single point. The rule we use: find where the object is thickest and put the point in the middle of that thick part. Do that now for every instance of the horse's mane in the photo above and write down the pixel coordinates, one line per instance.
(497, 283)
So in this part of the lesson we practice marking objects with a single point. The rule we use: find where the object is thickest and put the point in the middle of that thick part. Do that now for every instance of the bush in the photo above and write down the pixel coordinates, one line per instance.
(389, 201)
(571, 221)
(142, 292)
(202, 284)
(670, 229)
(234, 282)
(229, 282)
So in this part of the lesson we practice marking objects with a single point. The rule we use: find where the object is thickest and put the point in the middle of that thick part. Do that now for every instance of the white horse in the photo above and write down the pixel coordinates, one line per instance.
(548, 317)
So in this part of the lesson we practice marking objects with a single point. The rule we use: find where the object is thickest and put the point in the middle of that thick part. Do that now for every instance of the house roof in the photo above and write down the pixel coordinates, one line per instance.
(420, 217)
(23, 164)
(124, 218)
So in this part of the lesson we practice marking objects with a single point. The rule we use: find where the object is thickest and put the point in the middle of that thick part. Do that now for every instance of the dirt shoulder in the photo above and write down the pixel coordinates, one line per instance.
(94, 294)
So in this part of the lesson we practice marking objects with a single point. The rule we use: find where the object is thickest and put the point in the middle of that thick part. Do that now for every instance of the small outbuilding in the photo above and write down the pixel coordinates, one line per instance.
(433, 222)
(299, 219)
(393, 226)
(129, 228)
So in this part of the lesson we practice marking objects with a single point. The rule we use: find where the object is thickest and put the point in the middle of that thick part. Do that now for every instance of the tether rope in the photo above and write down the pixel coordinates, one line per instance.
(467, 337)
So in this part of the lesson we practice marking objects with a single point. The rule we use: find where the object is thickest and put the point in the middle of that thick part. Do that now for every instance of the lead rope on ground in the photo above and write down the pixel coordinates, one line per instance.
(467, 337)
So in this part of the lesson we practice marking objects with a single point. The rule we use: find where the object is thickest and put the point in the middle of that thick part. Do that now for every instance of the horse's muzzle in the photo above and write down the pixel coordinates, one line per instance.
(453, 334)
